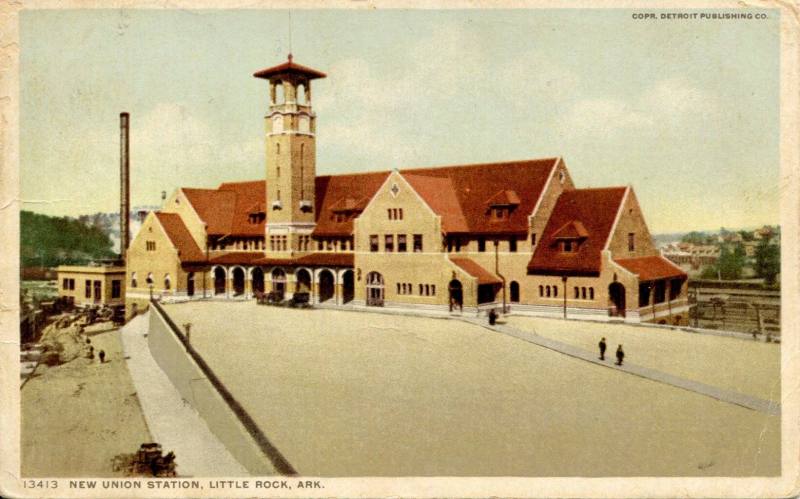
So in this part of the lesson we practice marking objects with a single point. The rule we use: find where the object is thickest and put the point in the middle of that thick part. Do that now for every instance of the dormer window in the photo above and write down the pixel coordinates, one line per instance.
(499, 213)
(569, 245)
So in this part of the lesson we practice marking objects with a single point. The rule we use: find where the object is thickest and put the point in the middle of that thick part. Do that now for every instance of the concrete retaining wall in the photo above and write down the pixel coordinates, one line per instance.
(199, 386)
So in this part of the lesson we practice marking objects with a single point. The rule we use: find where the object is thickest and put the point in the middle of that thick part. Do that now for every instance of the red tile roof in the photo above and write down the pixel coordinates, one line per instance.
(289, 67)
(650, 268)
(595, 210)
(237, 257)
(475, 270)
(464, 203)
(226, 210)
(188, 251)
(340, 193)
(328, 259)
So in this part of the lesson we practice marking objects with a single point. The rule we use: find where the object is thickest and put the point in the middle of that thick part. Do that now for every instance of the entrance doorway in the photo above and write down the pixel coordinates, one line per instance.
(238, 281)
(258, 280)
(348, 286)
(456, 295)
(190, 284)
(219, 281)
(303, 281)
(616, 297)
(326, 286)
(514, 292)
(279, 282)
(375, 287)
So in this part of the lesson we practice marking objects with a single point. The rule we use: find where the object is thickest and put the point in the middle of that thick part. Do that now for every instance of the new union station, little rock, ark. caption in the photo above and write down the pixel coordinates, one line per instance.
(457, 239)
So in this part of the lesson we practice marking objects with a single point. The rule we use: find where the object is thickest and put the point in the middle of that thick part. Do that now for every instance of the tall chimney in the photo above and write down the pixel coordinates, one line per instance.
(124, 186)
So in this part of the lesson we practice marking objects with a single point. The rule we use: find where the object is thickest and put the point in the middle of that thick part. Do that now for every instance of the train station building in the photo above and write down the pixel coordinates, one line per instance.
(455, 239)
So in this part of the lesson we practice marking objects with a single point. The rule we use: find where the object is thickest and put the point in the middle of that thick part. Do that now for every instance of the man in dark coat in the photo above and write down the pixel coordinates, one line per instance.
(602, 346)
(620, 355)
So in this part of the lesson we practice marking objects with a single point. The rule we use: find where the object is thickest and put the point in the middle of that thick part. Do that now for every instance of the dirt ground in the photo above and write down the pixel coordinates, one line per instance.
(742, 365)
(356, 394)
(77, 416)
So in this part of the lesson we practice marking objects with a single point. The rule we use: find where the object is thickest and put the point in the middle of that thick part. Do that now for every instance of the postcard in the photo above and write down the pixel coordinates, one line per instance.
(384, 249)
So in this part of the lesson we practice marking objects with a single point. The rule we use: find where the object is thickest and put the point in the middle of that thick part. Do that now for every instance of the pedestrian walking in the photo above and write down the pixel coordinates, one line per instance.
(620, 355)
(492, 317)
(102, 355)
(602, 346)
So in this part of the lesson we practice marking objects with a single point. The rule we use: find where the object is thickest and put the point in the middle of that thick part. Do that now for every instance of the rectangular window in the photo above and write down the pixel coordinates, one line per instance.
(373, 243)
(65, 285)
(417, 243)
(88, 290)
(631, 241)
(400, 213)
(116, 288)
(402, 245)
(482, 244)
(433, 289)
(420, 289)
(533, 239)
(512, 245)
(566, 246)
(389, 213)
(388, 243)
(151, 245)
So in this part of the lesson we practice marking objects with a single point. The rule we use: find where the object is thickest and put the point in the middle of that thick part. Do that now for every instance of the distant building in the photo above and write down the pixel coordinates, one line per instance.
(468, 237)
(92, 284)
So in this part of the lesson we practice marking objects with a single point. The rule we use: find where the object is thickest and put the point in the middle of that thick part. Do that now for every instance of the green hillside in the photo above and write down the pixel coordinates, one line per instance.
(49, 241)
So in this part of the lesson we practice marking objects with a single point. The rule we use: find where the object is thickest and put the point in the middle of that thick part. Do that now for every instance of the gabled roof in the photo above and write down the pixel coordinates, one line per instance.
(476, 270)
(650, 268)
(439, 194)
(179, 235)
(506, 197)
(226, 210)
(459, 194)
(335, 192)
(595, 210)
(572, 230)
(289, 67)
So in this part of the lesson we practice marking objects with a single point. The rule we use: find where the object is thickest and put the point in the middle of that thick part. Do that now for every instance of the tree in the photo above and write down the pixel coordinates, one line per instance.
(695, 237)
(731, 262)
(768, 260)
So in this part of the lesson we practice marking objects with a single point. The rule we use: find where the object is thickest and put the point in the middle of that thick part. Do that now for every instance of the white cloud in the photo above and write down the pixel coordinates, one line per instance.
(665, 107)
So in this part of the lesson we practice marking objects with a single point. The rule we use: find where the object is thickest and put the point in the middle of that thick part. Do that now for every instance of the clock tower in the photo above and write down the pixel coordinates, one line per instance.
(291, 157)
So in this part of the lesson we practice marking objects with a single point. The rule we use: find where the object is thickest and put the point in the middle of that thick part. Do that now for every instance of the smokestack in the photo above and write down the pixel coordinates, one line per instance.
(124, 187)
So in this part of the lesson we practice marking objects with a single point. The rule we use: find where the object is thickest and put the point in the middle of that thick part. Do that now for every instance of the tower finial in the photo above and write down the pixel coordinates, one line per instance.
(290, 57)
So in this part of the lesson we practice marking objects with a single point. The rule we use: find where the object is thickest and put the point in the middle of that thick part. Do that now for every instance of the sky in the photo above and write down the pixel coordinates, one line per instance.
(684, 111)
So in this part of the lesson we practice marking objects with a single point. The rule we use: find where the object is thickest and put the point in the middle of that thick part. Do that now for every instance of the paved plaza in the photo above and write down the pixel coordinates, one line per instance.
(355, 393)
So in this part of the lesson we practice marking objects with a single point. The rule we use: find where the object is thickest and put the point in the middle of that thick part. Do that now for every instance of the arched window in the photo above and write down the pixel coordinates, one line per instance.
(167, 282)
(577, 293)
(583, 292)
(149, 279)
(398, 288)
(541, 290)
(547, 289)
(134, 284)
(514, 288)
(591, 293)
(301, 94)
(555, 291)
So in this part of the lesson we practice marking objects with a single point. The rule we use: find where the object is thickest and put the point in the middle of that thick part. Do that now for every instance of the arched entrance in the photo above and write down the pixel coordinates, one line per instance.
(326, 286)
(514, 292)
(238, 281)
(303, 278)
(616, 297)
(456, 295)
(279, 282)
(219, 281)
(375, 289)
(190, 284)
(348, 286)
(258, 280)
